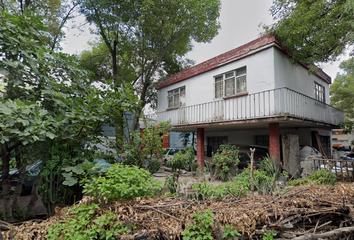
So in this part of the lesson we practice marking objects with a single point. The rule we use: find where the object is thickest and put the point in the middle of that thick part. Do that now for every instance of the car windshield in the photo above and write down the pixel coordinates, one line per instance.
(173, 151)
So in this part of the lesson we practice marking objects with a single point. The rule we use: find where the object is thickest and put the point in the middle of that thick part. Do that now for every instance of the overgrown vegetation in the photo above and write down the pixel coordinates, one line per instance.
(83, 222)
(122, 182)
(179, 162)
(202, 228)
(225, 161)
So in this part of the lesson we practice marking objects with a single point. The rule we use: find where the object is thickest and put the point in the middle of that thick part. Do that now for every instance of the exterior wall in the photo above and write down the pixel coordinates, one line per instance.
(247, 137)
(200, 88)
(296, 77)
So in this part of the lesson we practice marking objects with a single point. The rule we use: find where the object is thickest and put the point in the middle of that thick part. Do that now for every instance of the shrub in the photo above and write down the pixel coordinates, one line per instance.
(225, 159)
(262, 182)
(84, 224)
(297, 182)
(205, 189)
(122, 182)
(323, 177)
(202, 228)
(179, 161)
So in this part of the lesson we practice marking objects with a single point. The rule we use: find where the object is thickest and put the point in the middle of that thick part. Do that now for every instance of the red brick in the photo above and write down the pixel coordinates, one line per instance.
(200, 147)
(274, 141)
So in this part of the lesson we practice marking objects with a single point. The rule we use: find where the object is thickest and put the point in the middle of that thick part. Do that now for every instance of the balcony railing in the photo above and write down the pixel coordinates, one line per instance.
(272, 103)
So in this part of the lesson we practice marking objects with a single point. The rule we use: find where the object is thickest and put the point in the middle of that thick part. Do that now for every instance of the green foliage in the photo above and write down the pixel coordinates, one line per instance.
(271, 166)
(263, 183)
(342, 92)
(297, 182)
(177, 163)
(269, 235)
(83, 223)
(145, 149)
(202, 228)
(205, 189)
(323, 177)
(229, 233)
(122, 182)
(313, 31)
(224, 160)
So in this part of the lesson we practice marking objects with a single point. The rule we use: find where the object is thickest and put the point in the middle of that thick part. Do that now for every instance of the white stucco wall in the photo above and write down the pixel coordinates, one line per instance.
(296, 77)
(200, 88)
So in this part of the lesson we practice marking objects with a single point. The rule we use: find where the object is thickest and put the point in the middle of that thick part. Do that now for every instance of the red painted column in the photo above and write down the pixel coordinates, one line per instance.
(200, 147)
(274, 141)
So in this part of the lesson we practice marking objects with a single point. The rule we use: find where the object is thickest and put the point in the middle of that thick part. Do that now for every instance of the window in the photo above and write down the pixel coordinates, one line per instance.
(230, 83)
(319, 92)
(177, 97)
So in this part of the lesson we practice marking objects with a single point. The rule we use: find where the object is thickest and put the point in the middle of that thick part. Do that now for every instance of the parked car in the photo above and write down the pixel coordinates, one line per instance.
(34, 169)
(31, 174)
(349, 156)
(169, 152)
(244, 155)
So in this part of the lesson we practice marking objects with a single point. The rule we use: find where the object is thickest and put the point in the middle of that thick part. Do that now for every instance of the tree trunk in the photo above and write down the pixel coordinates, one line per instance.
(6, 183)
(16, 211)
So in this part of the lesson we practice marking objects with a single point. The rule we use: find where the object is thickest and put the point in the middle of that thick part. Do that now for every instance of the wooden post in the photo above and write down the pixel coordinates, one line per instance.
(252, 182)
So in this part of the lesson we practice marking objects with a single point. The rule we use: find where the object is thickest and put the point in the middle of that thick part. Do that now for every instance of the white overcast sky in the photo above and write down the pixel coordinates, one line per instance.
(240, 23)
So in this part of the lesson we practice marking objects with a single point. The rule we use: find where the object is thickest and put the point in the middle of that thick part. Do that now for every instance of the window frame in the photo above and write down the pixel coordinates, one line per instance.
(173, 95)
(320, 92)
(232, 79)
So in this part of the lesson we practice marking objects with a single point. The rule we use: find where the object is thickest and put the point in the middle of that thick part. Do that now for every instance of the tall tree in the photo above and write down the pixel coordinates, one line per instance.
(55, 14)
(140, 34)
(314, 31)
(48, 97)
(342, 89)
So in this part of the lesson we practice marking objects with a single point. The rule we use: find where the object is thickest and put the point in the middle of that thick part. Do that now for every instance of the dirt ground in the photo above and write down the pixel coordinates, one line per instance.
(188, 177)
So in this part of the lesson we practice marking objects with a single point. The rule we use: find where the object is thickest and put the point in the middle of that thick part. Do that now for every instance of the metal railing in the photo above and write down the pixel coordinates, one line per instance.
(343, 169)
(271, 103)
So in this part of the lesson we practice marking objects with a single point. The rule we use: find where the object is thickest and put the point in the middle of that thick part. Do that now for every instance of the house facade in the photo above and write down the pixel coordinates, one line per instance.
(251, 95)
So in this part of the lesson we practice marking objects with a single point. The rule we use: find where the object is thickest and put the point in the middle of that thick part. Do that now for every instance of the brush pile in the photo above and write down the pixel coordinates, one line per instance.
(303, 212)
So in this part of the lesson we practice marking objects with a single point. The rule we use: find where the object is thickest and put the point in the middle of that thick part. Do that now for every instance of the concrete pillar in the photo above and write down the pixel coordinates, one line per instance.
(274, 141)
(291, 160)
(200, 147)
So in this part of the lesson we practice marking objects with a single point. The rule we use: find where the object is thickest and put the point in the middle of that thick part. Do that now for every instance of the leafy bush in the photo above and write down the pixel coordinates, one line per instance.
(205, 189)
(224, 160)
(229, 233)
(323, 177)
(262, 182)
(84, 224)
(297, 182)
(179, 161)
(202, 228)
(230, 188)
(145, 148)
(122, 182)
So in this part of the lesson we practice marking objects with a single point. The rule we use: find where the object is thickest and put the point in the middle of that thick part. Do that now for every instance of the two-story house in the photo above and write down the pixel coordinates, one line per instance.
(253, 94)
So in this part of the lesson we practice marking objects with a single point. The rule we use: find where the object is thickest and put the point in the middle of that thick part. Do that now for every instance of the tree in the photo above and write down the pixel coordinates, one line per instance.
(55, 14)
(49, 100)
(342, 89)
(314, 31)
(141, 34)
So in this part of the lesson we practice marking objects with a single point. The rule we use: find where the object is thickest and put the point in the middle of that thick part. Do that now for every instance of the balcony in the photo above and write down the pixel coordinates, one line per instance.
(272, 103)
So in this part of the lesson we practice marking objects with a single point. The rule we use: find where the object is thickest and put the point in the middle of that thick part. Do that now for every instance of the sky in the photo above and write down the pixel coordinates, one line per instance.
(240, 23)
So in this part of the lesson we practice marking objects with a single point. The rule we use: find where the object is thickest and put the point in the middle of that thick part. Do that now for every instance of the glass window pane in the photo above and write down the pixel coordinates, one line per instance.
(218, 89)
(230, 87)
(170, 101)
(182, 91)
(219, 78)
(170, 93)
(241, 71)
(176, 101)
(241, 84)
(229, 74)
